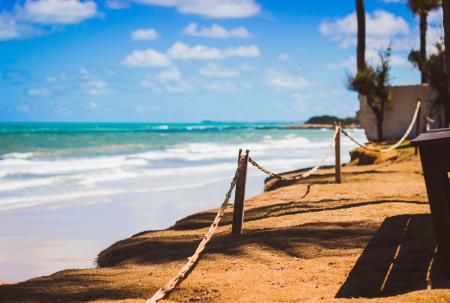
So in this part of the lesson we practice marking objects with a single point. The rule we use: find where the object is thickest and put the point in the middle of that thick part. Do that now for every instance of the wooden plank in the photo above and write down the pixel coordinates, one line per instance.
(433, 154)
(441, 134)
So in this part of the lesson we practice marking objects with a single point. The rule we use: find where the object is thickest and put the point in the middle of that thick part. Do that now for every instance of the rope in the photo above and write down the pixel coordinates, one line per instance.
(299, 177)
(179, 277)
(405, 135)
(429, 120)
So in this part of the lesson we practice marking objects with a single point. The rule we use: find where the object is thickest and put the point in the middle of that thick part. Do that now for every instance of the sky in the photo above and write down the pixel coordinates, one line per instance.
(194, 60)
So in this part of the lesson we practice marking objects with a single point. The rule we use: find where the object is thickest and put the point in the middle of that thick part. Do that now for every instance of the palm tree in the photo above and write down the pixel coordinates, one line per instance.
(361, 43)
(422, 8)
(446, 9)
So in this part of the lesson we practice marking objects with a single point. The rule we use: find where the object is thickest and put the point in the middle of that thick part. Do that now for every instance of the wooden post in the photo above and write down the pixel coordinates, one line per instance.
(239, 197)
(337, 152)
(416, 151)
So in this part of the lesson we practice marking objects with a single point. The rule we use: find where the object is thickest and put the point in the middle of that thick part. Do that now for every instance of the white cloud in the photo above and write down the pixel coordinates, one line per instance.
(434, 35)
(22, 22)
(89, 106)
(395, 1)
(283, 57)
(57, 78)
(216, 31)
(347, 64)
(94, 85)
(215, 71)
(435, 17)
(8, 27)
(178, 86)
(147, 58)
(247, 68)
(181, 50)
(381, 27)
(24, 108)
(116, 4)
(170, 74)
(92, 105)
(211, 8)
(242, 51)
(435, 31)
(12, 28)
(144, 34)
(57, 11)
(372, 58)
(283, 80)
(172, 81)
(169, 80)
(39, 92)
(227, 86)
(397, 60)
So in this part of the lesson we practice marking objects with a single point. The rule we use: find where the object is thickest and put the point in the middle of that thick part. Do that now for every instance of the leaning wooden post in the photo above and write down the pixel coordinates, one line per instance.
(418, 125)
(337, 152)
(239, 197)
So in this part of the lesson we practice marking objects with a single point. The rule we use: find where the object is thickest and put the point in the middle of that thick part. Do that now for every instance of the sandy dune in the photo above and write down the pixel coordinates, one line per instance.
(369, 238)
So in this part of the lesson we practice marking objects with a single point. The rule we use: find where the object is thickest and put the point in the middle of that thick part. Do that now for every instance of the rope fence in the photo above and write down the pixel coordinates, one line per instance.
(397, 144)
(305, 174)
(238, 184)
(172, 283)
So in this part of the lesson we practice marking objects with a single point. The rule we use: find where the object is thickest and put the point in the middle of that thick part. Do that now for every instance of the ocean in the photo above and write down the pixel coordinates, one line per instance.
(68, 190)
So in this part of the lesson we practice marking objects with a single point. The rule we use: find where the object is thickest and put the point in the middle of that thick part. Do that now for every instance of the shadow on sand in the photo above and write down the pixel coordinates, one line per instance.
(399, 258)
(305, 241)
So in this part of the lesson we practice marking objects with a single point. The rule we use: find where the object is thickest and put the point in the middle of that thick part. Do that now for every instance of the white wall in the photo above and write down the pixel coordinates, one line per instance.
(399, 111)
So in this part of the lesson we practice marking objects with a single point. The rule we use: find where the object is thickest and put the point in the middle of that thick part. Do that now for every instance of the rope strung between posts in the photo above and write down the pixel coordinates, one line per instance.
(429, 120)
(299, 177)
(403, 138)
(172, 283)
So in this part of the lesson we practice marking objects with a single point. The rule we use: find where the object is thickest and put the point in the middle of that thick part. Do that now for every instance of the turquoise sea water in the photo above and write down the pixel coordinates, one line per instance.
(68, 190)
(50, 162)
(91, 139)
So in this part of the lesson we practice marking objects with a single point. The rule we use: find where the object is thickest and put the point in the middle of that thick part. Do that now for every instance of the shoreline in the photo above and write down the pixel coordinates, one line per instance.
(317, 126)
(311, 240)
(139, 196)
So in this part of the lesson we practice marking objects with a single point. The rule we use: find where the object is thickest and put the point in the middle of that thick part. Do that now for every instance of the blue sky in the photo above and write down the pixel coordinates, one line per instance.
(192, 60)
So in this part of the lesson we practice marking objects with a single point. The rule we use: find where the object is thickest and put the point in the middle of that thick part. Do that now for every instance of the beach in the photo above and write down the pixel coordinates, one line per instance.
(224, 151)
(70, 190)
(369, 239)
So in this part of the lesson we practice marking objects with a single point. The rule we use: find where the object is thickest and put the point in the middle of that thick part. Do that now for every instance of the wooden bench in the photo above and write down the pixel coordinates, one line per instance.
(434, 147)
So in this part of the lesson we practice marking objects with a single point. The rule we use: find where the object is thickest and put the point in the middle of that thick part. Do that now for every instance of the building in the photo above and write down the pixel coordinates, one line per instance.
(400, 110)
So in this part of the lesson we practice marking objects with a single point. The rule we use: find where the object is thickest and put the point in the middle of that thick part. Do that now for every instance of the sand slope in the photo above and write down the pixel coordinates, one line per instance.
(369, 238)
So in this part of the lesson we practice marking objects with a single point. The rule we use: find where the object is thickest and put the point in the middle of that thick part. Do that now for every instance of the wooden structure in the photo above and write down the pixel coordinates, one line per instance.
(418, 126)
(239, 197)
(337, 153)
(434, 148)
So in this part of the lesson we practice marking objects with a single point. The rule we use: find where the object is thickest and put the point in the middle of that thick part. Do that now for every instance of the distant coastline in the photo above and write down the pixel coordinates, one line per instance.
(317, 126)
(325, 121)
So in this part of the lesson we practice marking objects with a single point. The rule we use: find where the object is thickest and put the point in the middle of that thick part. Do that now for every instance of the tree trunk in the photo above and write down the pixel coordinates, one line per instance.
(423, 45)
(361, 43)
(446, 9)
(379, 118)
